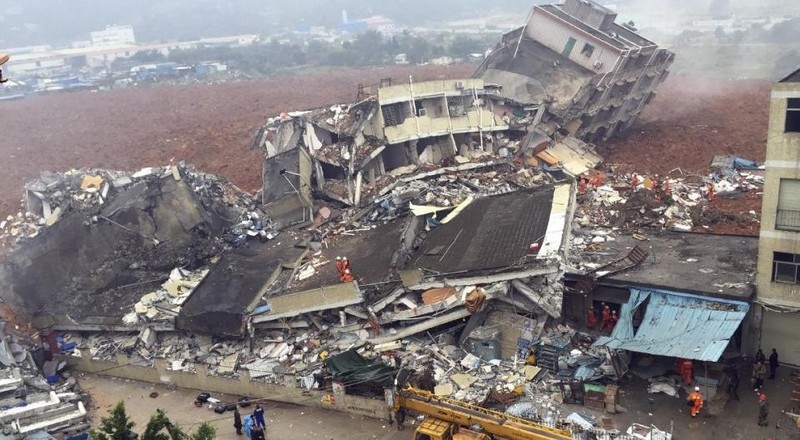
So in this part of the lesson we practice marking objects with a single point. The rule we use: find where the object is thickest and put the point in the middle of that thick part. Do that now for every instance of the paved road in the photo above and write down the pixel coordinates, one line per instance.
(285, 422)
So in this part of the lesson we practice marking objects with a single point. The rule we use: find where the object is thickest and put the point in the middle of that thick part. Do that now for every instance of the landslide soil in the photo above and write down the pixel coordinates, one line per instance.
(686, 124)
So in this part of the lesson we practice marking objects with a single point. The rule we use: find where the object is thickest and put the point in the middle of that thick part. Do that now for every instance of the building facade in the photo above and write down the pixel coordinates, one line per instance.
(778, 277)
(113, 35)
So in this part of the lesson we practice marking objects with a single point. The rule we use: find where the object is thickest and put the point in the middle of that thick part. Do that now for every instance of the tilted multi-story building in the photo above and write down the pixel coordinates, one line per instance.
(590, 75)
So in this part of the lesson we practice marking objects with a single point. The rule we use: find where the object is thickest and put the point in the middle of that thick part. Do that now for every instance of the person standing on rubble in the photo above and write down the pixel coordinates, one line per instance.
(763, 409)
(346, 264)
(347, 276)
(237, 421)
(339, 267)
(591, 319)
(773, 363)
(695, 401)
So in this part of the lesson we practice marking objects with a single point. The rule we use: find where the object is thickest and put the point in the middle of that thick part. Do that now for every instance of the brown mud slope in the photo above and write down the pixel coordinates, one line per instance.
(691, 120)
(210, 126)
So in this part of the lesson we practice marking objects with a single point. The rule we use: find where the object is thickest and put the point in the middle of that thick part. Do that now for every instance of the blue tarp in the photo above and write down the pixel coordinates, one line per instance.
(677, 325)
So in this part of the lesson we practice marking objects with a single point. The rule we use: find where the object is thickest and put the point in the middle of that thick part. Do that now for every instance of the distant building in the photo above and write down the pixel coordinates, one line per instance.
(401, 58)
(593, 75)
(113, 35)
(381, 24)
(442, 61)
(778, 276)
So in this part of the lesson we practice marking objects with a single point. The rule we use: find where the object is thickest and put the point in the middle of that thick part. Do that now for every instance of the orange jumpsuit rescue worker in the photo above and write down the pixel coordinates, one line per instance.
(686, 372)
(605, 315)
(591, 320)
(695, 402)
(613, 321)
(339, 266)
(346, 264)
(347, 276)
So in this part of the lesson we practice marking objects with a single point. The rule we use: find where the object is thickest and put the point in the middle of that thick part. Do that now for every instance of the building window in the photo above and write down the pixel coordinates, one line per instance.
(568, 47)
(788, 215)
(587, 50)
(793, 115)
(785, 268)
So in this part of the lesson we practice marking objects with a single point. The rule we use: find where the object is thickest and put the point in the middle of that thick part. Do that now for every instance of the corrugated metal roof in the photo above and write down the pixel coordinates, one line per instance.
(682, 325)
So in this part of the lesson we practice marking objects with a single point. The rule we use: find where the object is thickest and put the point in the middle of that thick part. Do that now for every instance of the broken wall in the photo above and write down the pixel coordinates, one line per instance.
(287, 187)
(243, 385)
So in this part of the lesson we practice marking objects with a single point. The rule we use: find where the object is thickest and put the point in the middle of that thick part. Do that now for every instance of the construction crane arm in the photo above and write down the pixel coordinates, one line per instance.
(464, 414)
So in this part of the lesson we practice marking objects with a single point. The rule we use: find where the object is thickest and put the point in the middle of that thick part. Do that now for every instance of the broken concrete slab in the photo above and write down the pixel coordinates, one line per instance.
(324, 298)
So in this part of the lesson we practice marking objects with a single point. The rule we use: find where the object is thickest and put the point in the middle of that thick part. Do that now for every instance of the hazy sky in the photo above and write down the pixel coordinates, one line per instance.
(58, 22)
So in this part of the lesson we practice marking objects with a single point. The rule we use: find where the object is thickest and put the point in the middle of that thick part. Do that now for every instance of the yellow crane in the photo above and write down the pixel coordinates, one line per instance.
(449, 419)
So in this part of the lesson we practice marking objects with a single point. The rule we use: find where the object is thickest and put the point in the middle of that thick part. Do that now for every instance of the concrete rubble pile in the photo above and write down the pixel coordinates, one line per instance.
(164, 304)
(123, 232)
(611, 204)
(36, 394)
(52, 195)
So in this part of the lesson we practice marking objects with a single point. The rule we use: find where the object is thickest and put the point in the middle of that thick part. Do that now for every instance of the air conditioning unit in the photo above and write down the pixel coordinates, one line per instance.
(598, 64)
(422, 112)
(459, 85)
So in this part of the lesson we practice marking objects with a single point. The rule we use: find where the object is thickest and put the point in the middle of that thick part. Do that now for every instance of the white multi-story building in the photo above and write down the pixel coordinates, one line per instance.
(113, 35)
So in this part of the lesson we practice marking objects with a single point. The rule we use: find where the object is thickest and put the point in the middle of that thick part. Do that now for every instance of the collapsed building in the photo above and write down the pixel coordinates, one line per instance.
(569, 75)
(461, 205)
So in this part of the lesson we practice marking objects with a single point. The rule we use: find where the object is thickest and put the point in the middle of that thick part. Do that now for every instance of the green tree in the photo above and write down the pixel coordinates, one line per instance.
(205, 432)
(116, 427)
(370, 48)
(462, 46)
(158, 423)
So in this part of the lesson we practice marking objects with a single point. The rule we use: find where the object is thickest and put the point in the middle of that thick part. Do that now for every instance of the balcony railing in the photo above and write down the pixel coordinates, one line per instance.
(788, 219)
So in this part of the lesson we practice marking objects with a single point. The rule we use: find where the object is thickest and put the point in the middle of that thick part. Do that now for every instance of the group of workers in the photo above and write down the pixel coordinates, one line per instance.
(258, 430)
(660, 186)
(608, 318)
(759, 370)
(344, 269)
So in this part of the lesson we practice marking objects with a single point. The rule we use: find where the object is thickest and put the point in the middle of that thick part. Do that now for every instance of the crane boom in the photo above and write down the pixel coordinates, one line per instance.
(464, 414)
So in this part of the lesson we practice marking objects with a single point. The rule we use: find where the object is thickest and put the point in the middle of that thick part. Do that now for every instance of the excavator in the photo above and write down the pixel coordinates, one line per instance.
(448, 419)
